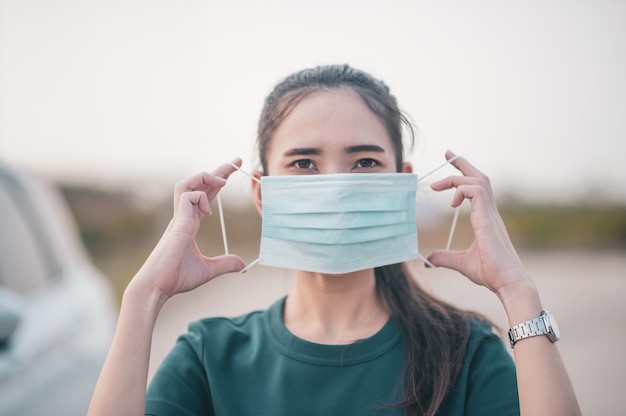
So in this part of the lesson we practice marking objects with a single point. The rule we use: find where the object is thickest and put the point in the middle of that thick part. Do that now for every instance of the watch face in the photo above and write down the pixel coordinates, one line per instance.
(553, 328)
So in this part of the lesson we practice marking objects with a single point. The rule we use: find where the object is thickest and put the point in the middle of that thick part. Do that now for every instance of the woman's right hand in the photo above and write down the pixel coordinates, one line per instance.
(176, 264)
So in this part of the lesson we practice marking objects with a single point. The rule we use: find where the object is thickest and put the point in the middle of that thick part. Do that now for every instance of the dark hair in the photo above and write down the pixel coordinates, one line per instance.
(435, 333)
(293, 89)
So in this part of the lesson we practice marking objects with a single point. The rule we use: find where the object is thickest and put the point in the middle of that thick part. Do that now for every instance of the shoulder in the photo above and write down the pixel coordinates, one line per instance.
(485, 340)
(482, 330)
(490, 368)
(204, 332)
(236, 324)
(486, 384)
(212, 349)
(222, 336)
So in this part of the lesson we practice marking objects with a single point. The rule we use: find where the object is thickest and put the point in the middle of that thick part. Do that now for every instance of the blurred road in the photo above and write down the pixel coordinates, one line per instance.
(586, 291)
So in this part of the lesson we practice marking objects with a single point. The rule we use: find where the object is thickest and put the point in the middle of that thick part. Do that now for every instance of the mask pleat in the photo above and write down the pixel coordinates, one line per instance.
(338, 223)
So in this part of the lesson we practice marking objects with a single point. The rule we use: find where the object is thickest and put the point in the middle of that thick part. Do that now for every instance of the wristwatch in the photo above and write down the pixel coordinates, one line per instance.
(544, 324)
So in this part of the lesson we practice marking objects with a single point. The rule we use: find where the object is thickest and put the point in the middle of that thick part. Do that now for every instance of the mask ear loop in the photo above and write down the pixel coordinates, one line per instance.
(223, 224)
(452, 227)
(452, 159)
(456, 211)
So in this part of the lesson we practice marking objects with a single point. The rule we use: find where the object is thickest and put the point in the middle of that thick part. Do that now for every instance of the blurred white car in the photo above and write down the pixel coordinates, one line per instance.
(56, 310)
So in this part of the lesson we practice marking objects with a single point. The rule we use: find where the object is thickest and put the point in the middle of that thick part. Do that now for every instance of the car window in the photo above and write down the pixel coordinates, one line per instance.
(23, 264)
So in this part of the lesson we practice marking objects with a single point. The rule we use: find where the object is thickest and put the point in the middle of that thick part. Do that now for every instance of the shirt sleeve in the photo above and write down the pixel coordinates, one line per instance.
(492, 383)
(180, 385)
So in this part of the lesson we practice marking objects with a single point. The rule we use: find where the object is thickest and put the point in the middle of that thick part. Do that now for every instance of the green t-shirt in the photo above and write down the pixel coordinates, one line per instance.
(252, 365)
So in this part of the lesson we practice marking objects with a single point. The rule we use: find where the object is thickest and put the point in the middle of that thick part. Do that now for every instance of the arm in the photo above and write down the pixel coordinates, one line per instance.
(491, 260)
(175, 266)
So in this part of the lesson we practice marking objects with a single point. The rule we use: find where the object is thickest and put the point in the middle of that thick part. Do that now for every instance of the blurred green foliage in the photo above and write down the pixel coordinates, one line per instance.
(108, 219)
(551, 225)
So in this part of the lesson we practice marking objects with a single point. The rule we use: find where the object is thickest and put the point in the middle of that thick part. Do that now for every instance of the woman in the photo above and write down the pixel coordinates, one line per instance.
(361, 341)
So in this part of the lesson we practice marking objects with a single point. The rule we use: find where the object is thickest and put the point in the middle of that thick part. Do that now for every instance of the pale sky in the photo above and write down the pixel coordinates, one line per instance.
(532, 92)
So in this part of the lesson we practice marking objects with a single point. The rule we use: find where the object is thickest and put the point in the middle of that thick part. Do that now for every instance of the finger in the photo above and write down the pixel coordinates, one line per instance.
(464, 192)
(224, 170)
(463, 165)
(205, 181)
(200, 182)
(448, 259)
(454, 182)
(229, 263)
(192, 205)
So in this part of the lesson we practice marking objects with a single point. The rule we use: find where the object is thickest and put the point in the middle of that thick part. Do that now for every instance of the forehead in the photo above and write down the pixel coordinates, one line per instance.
(337, 116)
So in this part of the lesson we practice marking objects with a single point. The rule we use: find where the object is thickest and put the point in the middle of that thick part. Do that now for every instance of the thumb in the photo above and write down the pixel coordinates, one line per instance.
(448, 259)
(229, 263)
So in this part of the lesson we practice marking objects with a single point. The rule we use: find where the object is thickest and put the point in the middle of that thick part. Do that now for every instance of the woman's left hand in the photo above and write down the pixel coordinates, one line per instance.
(491, 259)
(543, 384)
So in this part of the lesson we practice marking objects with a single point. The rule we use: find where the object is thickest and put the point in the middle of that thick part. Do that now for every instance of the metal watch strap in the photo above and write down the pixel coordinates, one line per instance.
(531, 328)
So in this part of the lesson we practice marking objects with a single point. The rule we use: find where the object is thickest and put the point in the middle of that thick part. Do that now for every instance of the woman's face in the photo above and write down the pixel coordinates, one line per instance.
(331, 132)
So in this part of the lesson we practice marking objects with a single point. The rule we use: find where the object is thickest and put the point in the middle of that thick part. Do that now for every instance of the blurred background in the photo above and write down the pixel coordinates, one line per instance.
(112, 102)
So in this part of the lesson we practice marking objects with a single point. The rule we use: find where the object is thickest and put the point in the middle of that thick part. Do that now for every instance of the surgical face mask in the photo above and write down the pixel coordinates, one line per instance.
(337, 223)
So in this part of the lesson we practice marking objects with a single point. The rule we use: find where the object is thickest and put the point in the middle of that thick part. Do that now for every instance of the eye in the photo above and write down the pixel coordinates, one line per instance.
(366, 163)
(304, 164)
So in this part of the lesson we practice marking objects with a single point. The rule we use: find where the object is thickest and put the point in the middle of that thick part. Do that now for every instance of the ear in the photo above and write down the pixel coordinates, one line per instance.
(407, 167)
(256, 192)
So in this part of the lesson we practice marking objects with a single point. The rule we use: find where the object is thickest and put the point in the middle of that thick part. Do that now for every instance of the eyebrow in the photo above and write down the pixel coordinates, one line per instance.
(300, 151)
(364, 148)
(315, 151)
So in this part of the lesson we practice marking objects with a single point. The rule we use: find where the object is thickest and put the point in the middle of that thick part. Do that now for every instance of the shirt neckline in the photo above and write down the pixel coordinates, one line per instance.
(329, 355)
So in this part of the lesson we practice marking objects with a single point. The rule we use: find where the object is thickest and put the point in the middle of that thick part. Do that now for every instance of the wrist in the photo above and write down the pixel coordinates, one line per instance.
(143, 298)
(521, 301)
